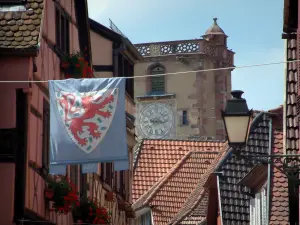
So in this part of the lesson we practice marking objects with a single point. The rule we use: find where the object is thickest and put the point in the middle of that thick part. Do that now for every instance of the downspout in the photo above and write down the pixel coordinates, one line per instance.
(219, 199)
(269, 170)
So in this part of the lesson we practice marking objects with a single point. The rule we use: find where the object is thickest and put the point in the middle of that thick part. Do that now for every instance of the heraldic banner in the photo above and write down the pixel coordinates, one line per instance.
(87, 122)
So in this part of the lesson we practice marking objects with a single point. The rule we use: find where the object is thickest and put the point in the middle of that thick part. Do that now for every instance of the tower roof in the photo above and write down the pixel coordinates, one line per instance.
(214, 29)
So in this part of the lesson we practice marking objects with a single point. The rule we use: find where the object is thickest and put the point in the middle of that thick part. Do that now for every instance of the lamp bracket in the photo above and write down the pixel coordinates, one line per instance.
(287, 164)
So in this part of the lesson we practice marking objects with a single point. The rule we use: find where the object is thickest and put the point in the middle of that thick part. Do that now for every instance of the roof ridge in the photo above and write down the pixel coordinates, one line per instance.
(166, 177)
(149, 194)
(136, 153)
(145, 197)
(200, 186)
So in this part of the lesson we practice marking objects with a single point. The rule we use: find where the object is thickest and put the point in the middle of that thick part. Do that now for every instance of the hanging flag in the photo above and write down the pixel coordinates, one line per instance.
(118, 166)
(87, 122)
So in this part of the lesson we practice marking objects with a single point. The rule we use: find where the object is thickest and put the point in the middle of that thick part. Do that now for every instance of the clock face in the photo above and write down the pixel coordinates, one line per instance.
(156, 120)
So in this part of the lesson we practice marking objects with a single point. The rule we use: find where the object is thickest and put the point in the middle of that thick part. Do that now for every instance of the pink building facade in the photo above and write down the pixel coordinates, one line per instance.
(34, 35)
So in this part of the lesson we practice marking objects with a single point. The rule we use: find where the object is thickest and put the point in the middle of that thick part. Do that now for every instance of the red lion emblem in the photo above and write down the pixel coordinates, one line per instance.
(92, 107)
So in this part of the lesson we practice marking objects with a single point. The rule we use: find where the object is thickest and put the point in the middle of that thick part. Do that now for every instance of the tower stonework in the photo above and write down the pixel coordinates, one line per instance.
(197, 97)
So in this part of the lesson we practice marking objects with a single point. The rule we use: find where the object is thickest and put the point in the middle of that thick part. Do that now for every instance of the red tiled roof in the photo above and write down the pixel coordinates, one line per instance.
(175, 168)
(156, 157)
(279, 206)
(197, 201)
(278, 110)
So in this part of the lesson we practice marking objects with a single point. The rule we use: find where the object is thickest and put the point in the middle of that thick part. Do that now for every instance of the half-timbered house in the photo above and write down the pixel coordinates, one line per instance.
(34, 36)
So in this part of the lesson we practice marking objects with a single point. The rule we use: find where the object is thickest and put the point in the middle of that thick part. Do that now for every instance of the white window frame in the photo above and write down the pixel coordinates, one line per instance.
(258, 207)
(146, 219)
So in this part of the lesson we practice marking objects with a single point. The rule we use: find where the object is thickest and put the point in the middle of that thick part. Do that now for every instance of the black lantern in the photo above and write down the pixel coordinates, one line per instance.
(236, 119)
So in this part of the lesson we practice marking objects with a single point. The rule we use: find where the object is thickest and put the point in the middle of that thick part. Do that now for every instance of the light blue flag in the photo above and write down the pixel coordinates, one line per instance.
(118, 165)
(121, 165)
(87, 122)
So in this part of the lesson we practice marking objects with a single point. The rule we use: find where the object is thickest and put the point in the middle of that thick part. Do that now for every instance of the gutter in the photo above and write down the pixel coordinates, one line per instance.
(133, 49)
(25, 52)
(269, 170)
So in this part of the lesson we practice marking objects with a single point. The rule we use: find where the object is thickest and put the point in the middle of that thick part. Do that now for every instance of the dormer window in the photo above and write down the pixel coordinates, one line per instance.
(12, 5)
(12, 2)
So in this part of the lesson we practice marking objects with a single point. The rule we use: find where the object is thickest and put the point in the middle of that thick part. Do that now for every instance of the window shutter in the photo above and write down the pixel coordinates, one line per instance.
(264, 206)
(258, 209)
(180, 117)
(252, 211)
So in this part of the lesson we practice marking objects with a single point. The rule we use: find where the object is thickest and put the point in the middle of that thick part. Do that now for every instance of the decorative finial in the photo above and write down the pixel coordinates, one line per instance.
(215, 20)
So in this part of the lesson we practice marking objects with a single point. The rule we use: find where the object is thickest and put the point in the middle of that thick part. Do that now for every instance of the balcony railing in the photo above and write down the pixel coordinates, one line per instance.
(185, 47)
(168, 48)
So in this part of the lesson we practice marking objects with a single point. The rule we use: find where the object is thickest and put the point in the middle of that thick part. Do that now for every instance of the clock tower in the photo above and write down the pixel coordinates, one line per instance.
(156, 118)
(183, 105)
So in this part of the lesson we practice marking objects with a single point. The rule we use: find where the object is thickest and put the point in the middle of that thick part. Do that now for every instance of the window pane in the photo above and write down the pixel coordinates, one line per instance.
(184, 117)
(158, 83)
(264, 205)
(57, 26)
(67, 37)
(252, 211)
(258, 208)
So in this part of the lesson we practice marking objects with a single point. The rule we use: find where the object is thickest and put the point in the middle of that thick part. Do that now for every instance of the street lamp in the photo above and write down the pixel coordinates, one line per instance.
(236, 119)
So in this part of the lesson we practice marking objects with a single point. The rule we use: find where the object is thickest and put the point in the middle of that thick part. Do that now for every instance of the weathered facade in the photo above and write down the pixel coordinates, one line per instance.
(114, 56)
(166, 172)
(291, 35)
(34, 35)
(239, 189)
(185, 105)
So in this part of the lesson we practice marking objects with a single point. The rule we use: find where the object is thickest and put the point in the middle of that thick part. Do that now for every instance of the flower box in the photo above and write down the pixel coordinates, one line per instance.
(75, 66)
(62, 194)
(90, 212)
(49, 193)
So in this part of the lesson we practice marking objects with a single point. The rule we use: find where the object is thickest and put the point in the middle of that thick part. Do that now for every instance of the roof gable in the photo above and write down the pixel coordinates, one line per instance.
(168, 196)
(105, 31)
(234, 198)
(155, 158)
(194, 208)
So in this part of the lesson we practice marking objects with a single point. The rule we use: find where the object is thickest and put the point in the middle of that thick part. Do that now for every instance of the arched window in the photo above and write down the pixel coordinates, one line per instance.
(157, 82)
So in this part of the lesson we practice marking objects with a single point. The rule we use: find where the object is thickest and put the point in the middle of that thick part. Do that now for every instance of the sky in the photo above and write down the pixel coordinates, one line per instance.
(254, 29)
